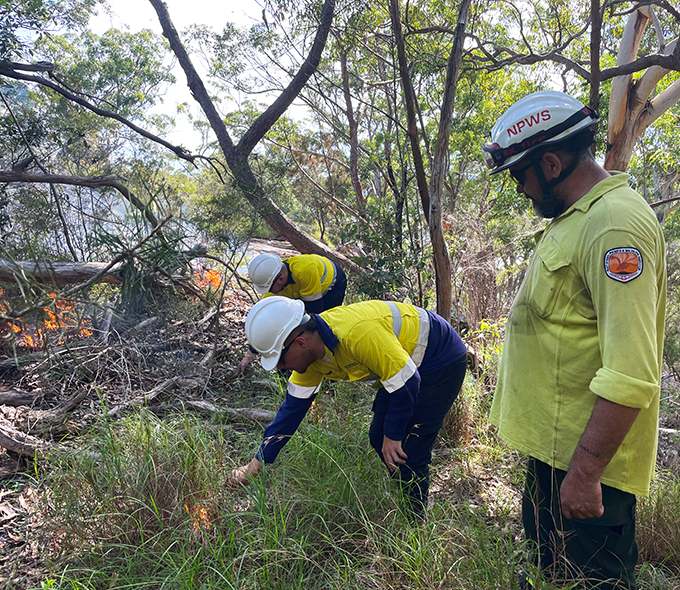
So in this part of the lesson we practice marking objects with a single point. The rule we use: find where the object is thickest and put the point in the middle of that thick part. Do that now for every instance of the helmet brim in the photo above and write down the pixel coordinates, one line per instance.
(262, 290)
(269, 363)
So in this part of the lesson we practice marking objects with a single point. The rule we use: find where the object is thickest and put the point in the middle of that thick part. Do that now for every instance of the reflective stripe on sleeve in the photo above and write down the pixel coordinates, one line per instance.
(423, 331)
(302, 392)
(396, 318)
(399, 380)
(325, 273)
(423, 337)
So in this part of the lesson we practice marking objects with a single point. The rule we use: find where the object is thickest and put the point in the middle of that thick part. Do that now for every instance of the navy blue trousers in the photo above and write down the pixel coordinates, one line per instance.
(438, 391)
(333, 298)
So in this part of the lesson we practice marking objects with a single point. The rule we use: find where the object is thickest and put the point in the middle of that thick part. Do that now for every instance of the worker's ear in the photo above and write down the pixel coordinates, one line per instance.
(552, 165)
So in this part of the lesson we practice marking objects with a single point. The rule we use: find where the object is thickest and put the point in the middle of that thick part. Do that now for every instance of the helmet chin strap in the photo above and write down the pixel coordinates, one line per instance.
(550, 207)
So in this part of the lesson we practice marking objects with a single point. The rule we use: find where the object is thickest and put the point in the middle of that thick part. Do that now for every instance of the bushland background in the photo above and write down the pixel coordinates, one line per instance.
(351, 129)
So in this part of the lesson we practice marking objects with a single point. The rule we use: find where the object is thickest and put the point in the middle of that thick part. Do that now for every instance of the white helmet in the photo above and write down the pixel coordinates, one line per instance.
(269, 323)
(263, 269)
(535, 121)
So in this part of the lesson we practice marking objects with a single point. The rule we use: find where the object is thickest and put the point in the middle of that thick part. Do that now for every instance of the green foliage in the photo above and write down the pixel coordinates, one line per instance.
(671, 351)
(148, 507)
(22, 19)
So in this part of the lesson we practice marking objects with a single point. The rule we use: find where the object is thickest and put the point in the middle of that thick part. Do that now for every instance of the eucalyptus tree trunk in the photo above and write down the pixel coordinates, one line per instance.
(431, 196)
(410, 101)
(442, 261)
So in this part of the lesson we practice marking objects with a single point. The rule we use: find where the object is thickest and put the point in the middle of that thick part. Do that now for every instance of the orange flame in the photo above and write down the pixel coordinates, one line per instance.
(61, 318)
(199, 517)
(207, 278)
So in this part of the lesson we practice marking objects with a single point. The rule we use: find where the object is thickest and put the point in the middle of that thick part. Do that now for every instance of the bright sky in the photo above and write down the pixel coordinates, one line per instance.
(139, 14)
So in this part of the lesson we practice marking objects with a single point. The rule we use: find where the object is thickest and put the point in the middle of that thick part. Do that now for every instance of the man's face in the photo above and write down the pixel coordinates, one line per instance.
(280, 281)
(527, 184)
(296, 354)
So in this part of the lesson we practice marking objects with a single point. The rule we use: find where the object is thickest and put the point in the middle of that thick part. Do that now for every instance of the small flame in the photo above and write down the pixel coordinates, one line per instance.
(61, 319)
(207, 278)
(199, 517)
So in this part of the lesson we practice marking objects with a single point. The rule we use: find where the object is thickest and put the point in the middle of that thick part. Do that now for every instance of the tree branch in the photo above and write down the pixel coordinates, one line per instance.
(667, 62)
(88, 181)
(265, 121)
(6, 69)
(410, 100)
(237, 158)
(198, 89)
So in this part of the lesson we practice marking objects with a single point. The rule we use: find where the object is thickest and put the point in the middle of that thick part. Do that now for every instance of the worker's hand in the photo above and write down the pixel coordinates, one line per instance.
(245, 474)
(581, 496)
(244, 365)
(393, 454)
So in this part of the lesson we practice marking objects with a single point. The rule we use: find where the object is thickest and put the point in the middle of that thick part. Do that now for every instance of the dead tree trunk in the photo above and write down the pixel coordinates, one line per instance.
(58, 273)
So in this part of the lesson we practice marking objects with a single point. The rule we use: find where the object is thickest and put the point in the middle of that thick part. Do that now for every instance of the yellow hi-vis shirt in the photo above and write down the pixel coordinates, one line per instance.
(588, 322)
(312, 276)
(368, 349)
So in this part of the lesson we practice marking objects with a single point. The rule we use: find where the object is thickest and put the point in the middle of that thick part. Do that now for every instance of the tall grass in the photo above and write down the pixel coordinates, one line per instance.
(148, 508)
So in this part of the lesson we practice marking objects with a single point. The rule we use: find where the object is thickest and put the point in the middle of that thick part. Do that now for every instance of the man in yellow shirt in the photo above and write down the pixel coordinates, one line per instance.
(413, 356)
(317, 281)
(578, 387)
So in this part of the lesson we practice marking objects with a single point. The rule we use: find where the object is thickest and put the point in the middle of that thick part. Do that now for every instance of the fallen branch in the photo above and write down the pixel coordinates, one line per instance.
(23, 444)
(251, 413)
(144, 399)
(59, 273)
(32, 357)
(209, 410)
(16, 397)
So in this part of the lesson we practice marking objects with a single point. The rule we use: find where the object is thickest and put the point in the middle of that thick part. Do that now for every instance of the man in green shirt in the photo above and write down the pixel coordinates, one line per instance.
(578, 387)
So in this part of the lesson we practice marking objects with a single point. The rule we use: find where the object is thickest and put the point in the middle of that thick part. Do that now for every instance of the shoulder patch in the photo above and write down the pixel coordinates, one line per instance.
(623, 264)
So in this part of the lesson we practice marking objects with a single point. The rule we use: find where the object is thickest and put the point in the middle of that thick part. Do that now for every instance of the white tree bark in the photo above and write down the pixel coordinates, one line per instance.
(632, 106)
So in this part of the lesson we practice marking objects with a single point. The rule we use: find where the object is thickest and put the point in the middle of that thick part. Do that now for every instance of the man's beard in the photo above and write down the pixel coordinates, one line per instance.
(550, 209)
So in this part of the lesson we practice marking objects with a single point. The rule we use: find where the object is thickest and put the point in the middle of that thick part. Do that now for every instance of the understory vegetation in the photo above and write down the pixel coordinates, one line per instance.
(140, 500)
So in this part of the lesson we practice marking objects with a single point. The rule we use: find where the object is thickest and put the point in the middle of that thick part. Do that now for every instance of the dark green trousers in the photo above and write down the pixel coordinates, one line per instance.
(599, 552)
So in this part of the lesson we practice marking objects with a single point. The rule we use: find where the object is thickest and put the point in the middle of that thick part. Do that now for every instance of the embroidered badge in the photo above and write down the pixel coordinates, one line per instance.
(623, 264)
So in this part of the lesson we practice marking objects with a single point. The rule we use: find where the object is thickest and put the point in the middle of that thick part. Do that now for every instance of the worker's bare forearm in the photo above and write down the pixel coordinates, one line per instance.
(608, 425)
(581, 491)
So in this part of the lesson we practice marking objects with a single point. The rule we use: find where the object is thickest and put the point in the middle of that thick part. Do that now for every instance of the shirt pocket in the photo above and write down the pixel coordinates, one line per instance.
(549, 273)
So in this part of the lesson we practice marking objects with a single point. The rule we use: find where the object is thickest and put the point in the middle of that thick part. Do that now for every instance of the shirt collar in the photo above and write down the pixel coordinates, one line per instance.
(329, 339)
(290, 275)
(616, 180)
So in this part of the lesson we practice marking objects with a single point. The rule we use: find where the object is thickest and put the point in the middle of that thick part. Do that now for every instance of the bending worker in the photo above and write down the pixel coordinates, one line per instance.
(317, 281)
(414, 356)
(579, 380)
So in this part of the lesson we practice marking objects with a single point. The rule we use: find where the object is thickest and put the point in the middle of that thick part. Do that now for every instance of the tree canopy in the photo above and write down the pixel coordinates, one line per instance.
(342, 126)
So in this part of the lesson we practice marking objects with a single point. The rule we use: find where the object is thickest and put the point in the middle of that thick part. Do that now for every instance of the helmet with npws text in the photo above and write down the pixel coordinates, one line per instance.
(533, 122)
(269, 323)
(263, 270)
